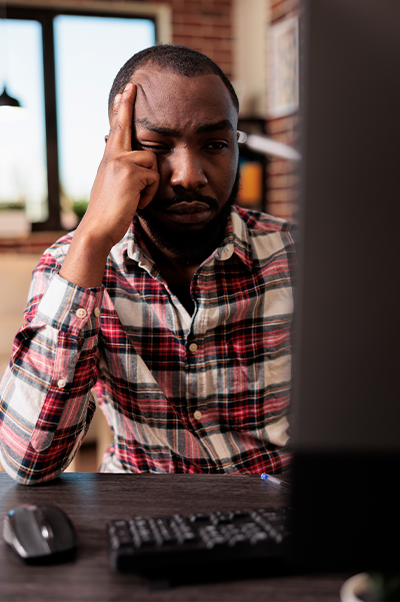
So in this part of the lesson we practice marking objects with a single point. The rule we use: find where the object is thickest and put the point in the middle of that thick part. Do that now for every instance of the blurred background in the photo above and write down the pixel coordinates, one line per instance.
(58, 59)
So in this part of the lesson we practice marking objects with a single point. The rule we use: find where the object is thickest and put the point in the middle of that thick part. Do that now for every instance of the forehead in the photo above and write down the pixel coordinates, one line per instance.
(171, 99)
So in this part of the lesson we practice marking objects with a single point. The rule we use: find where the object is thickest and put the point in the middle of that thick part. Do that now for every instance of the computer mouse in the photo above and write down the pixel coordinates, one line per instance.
(41, 533)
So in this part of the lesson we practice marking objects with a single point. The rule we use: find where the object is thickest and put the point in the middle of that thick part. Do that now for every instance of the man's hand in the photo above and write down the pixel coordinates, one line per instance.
(125, 180)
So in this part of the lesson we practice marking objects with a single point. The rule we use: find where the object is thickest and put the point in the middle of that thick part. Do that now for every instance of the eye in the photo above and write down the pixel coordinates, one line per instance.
(216, 145)
(153, 147)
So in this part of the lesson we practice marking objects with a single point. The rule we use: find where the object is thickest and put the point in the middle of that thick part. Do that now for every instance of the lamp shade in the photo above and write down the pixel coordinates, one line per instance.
(8, 101)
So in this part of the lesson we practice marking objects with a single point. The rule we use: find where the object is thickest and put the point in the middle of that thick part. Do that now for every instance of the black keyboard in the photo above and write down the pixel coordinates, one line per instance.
(141, 544)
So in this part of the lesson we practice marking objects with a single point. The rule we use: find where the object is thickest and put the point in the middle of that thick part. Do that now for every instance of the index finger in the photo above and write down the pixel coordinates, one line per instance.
(121, 119)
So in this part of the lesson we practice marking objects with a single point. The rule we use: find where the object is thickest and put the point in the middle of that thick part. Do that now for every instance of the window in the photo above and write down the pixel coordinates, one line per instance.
(63, 63)
(23, 172)
(89, 51)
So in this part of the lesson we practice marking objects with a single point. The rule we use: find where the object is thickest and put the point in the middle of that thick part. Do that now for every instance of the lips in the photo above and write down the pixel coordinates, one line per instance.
(194, 212)
(185, 207)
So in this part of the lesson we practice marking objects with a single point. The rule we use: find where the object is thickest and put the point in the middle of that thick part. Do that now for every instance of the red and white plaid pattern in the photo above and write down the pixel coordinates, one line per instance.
(207, 393)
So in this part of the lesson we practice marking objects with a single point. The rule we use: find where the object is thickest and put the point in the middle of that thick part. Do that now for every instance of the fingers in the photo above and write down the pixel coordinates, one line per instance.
(129, 177)
(147, 194)
(148, 160)
(145, 159)
(120, 135)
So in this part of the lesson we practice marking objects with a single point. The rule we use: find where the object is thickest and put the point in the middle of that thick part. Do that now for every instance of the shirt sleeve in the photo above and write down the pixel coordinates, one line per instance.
(46, 403)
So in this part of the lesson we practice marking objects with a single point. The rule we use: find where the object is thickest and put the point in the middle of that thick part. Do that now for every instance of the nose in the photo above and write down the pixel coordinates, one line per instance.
(186, 170)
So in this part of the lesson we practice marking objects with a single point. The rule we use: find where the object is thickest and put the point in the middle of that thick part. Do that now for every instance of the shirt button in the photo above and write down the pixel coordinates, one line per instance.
(192, 347)
(81, 312)
(197, 415)
(97, 311)
(61, 383)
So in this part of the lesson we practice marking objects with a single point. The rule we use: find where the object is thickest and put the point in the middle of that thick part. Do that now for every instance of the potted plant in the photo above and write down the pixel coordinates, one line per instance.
(13, 220)
(79, 207)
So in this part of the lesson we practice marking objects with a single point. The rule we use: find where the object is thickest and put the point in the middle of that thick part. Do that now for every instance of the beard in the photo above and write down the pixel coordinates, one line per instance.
(189, 241)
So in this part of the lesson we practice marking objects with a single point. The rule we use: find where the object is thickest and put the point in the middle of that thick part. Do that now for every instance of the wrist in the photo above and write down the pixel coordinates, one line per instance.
(86, 259)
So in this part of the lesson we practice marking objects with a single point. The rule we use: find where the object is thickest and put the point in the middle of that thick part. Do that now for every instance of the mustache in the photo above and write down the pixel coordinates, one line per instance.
(184, 197)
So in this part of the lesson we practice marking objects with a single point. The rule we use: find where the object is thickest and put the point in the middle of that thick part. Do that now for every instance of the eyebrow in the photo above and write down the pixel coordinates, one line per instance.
(223, 124)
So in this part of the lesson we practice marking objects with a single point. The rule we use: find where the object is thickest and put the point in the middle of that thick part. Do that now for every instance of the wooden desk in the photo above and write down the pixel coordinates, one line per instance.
(91, 499)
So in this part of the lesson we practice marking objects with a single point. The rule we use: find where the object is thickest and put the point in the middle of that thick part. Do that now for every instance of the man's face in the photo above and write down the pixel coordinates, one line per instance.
(190, 123)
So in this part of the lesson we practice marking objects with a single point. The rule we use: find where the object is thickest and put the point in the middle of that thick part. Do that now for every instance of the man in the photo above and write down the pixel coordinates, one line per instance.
(168, 301)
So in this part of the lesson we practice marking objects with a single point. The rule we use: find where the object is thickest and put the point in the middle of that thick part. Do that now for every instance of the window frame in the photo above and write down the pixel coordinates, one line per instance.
(44, 13)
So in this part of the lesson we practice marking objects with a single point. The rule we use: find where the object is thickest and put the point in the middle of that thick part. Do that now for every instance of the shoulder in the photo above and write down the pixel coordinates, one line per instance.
(259, 223)
(265, 233)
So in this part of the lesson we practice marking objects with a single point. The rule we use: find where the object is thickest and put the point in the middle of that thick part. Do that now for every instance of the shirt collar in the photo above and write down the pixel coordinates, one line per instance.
(236, 242)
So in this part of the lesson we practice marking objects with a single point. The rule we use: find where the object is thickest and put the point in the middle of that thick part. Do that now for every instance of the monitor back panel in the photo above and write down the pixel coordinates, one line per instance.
(347, 360)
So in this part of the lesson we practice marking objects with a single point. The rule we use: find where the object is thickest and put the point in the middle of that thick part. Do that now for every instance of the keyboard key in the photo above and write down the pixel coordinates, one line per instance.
(199, 517)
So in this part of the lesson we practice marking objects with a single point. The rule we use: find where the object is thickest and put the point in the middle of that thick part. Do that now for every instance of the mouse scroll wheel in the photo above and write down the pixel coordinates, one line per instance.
(46, 531)
(44, 526)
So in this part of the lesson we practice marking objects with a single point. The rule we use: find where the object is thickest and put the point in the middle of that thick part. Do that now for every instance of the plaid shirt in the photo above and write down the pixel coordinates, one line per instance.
(193, 394)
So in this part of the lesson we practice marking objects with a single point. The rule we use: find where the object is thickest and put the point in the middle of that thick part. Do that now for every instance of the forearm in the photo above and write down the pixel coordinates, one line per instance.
(45, 406)
(86, 259)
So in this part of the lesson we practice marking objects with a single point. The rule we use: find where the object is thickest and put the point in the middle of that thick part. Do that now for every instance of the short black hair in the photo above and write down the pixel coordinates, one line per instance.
(170, 57)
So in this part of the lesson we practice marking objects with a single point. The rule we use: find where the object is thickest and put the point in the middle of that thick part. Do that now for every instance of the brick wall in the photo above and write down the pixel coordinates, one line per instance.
(281, 173)
(207, 26)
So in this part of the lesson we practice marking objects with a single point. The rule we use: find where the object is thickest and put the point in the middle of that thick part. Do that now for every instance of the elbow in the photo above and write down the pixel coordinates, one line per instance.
(18, 470)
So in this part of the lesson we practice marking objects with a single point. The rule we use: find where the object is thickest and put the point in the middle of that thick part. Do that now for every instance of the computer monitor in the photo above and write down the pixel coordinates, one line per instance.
(346, 400)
